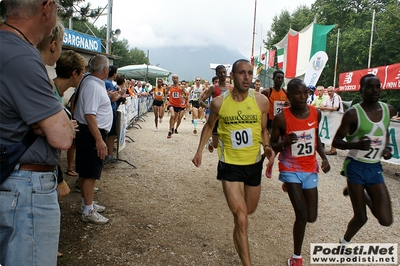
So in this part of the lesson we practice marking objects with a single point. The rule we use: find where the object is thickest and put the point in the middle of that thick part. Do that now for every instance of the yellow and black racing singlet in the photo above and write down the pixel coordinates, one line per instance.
(239, 130)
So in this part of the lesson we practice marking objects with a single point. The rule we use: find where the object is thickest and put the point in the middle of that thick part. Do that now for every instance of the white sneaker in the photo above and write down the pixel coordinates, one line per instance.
(160, 120)
(348, 249)
(94, 217)
(96, 206)
(155, 129)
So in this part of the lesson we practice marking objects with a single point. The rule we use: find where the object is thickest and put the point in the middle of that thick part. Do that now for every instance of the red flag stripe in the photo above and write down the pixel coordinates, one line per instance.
(271, 58)
(291, 61)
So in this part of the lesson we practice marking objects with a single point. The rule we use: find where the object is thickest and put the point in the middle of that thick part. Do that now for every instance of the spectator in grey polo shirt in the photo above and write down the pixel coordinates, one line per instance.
(30, 214)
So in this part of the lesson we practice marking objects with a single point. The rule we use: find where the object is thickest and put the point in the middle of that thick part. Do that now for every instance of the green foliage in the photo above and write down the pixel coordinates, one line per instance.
(279, 27)
(354, 19)
(2, 11)
(119, 48)
(129, 57)
(302, 17)
(78, 10)
(391, 97)
(82, 13)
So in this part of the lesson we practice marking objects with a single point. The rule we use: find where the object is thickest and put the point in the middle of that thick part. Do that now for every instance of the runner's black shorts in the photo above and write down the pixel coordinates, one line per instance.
(250, 175)
(158, 103)
(196, 104)
(176, 109)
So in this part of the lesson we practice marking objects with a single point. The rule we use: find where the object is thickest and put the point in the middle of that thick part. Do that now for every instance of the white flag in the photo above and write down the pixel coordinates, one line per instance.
(315, 67)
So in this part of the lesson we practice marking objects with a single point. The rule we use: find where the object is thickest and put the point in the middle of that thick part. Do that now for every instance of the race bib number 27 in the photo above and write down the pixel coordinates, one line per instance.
(241, 138)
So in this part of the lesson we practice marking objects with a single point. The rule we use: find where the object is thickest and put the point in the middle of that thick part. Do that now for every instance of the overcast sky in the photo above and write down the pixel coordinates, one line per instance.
(153, 23)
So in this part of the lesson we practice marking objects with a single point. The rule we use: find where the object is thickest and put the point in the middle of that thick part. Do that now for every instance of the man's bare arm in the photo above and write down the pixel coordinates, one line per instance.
(101, 146)
(205, 96)
(207, 130)
(58, 130)
(348, 126)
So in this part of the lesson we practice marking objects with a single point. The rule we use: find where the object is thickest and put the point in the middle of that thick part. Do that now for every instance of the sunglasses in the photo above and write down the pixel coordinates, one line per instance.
(198, 80)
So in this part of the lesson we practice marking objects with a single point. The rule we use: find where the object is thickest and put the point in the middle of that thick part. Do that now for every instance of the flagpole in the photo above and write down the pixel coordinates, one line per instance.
(336, 58)
(372, 36)
(254, 27)
(261, 39)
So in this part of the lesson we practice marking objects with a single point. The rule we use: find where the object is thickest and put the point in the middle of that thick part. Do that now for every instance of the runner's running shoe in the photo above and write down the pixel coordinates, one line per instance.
(295, 262)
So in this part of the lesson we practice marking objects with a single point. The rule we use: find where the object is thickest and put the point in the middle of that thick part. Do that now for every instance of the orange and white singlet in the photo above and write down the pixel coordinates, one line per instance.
(276, 102)
(159, 93)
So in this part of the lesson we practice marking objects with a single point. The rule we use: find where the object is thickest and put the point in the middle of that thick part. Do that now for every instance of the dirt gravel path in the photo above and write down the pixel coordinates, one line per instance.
(168, 212)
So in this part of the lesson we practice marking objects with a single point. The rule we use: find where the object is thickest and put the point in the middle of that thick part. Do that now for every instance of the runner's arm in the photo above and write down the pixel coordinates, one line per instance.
(348, 126)
(263, 104)
(278, 130)
(387, 152)
(205, 96)
(207, 129)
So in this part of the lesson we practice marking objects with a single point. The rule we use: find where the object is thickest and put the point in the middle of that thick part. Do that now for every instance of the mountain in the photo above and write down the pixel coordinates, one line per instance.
(190, 62)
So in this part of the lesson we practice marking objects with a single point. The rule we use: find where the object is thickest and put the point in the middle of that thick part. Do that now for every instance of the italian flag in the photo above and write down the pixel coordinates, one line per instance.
(298, 48)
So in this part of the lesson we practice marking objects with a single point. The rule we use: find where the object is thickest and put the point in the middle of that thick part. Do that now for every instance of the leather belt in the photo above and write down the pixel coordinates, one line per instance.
(37, 167)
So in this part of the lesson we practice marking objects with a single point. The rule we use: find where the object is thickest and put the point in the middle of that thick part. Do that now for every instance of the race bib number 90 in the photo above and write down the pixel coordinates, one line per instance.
(241, 138)
(305, 145)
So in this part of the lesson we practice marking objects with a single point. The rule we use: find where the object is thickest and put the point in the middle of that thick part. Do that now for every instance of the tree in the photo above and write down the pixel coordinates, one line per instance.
(279, 27)
(354, 19)
(78, 10)
(119, 48)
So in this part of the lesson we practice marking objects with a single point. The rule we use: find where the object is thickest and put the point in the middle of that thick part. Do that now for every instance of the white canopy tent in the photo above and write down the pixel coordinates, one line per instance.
(143, 71)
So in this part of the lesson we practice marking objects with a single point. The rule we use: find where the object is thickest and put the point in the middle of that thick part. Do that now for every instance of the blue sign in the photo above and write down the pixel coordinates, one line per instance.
(82, 41)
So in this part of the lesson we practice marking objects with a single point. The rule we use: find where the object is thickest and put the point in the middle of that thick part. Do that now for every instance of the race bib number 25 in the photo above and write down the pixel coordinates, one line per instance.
(305, 145)
(241, 138)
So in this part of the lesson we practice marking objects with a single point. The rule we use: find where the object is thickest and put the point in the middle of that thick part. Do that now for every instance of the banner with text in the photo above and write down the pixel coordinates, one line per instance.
(82, 41)
(388, 75)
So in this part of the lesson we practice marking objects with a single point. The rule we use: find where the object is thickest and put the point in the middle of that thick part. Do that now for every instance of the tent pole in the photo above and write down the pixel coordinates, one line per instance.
(147, 68)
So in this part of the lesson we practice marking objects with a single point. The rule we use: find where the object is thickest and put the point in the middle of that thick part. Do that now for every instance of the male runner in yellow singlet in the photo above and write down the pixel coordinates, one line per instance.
(243, 142)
